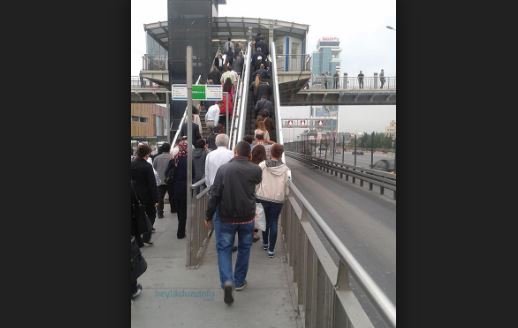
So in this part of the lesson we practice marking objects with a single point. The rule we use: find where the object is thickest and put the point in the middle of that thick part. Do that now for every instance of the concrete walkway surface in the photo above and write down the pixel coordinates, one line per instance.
(174, 296)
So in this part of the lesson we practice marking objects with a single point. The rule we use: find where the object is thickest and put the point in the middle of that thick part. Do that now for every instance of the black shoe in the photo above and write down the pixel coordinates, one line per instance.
(229, 299)
(160, 216)
(234, 248)
(150, 243)
(180, 236)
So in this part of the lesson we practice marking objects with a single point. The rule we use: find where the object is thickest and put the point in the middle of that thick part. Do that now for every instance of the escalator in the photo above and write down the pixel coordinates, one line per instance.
(245, 114)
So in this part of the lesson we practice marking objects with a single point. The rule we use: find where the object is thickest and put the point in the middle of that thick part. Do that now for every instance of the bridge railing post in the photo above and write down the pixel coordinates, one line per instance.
(375, 80)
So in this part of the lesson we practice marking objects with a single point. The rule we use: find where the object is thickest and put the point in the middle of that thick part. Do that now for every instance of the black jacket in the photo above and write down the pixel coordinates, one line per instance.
(215, 75)
(264, 88)
(264, 104)
(198, 161)
(145, 183)
(233, 191)
(211, 141)
(195, 132)
(264, 47)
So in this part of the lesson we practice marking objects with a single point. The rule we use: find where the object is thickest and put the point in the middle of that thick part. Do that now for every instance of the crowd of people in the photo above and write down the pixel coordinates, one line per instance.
(240, 181)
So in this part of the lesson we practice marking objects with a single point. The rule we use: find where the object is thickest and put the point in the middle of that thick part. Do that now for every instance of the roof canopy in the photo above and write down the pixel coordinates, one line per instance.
(234, 27)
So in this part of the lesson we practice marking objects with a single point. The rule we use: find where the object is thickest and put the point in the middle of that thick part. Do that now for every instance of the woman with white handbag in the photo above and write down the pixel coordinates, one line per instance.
(271, 193)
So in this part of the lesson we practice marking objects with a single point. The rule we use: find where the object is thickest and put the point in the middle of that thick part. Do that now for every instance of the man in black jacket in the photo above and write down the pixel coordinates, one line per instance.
(145, 185)
(196, 135)
(264, 105)
(232, 198)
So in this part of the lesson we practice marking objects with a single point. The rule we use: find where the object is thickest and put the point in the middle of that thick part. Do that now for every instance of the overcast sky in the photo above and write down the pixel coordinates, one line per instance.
(359, 24)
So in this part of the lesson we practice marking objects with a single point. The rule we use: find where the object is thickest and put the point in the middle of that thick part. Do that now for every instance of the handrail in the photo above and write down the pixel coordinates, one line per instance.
(235, 110)
(356, 169)
(380, 300)
(352, 83)
(244, 103)
(277, 101)
(173, 143)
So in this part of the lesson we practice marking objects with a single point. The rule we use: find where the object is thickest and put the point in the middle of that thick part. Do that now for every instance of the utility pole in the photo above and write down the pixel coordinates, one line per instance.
(188, 121)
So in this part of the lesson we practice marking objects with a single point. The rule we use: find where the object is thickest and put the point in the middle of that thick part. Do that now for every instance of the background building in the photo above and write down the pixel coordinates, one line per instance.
(327, 57)
(147, 122)
(390, 130)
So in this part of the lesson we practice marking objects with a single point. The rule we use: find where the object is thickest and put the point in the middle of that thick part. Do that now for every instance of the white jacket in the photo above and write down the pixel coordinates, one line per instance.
(274, 185)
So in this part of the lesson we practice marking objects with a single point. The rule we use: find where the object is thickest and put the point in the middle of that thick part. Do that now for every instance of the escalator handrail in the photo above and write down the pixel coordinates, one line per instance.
(244, 97)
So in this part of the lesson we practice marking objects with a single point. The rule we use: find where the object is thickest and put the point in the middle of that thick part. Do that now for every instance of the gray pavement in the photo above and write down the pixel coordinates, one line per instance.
(174, 296)
(364, 221)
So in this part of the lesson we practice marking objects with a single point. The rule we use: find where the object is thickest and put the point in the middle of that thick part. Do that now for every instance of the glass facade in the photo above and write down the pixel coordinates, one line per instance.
(154, 48)
(326, 58)
(191, 21)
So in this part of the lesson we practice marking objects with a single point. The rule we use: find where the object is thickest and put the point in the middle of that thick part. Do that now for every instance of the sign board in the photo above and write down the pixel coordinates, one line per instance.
(199, 92)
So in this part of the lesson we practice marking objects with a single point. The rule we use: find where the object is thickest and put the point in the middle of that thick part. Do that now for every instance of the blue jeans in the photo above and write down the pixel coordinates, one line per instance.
(225, 233)
(271, 212)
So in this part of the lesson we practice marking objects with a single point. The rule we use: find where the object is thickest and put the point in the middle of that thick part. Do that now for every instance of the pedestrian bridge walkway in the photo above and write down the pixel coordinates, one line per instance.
(174, 296)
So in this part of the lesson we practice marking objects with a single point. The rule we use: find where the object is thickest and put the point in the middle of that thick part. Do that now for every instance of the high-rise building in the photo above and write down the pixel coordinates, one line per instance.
(327, 57)
(390, 130)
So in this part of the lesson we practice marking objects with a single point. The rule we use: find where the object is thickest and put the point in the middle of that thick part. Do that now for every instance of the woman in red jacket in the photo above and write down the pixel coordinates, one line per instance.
(228, 98)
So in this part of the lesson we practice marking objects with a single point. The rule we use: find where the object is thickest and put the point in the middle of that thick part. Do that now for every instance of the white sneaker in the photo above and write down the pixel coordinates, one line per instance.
(138, 292)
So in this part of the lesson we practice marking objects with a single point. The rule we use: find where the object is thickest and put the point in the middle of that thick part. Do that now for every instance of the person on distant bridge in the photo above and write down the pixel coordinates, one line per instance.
(335, 80)
(382, 78)
(360, 80)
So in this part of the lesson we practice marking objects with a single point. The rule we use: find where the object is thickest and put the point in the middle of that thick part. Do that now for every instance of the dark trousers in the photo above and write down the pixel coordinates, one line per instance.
(151, 213)
(180, 202)
(271, 212)
(162, 190)
(133, 286)
(170, 192)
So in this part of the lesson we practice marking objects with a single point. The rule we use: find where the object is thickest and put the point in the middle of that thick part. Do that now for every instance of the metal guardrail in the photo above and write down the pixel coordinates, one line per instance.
(323, 288)
(352, 83)
(372, 177)
(154, 63)
(241, 85)
(293, 63)
(244, 102)
(138, 83)
(198, 235)
(277, 102)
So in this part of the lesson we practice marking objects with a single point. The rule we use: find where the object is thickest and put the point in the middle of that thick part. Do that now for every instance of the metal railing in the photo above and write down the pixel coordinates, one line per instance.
(198, 235)
(244, 96)
(154, 63)
(372, 177)
(323, 288)
(293, 63)
(352, 83)
(277, 102)
(139, 83)
(240, 99)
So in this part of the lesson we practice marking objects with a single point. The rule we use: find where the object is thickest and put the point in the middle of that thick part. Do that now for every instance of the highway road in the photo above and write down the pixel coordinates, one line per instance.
(361, 160)
(363, 220)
